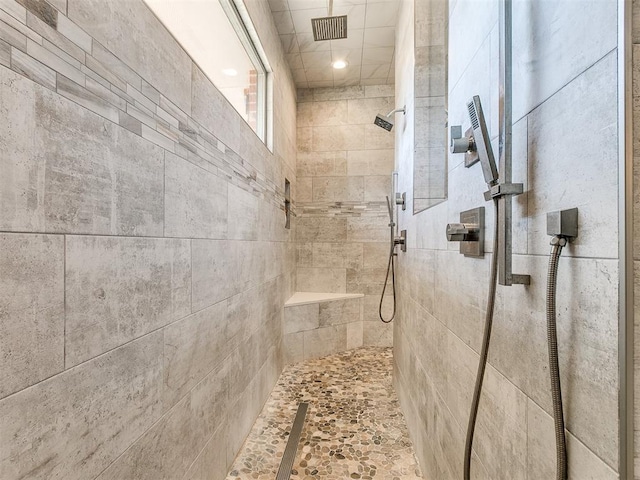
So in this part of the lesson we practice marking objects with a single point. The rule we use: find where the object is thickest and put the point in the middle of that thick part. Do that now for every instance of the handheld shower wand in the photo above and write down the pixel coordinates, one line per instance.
(394, 240)
(487, 160)
(391, 268)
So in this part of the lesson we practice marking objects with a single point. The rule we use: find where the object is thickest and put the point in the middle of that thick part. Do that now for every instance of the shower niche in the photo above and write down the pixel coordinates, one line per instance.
(430, 103)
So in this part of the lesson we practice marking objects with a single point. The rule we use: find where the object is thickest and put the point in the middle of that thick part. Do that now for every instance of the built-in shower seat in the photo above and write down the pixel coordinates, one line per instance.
(319, 324)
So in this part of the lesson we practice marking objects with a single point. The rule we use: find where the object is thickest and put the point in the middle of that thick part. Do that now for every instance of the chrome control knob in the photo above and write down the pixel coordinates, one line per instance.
(463, 232)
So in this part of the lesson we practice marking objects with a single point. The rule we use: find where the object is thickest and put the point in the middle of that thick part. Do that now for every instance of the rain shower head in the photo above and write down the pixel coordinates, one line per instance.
(482, 141)
(386, 121)
(330, 27)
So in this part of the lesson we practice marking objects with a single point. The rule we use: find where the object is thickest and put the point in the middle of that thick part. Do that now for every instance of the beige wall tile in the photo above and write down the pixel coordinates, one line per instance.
(367, 229)
(304, 190)
(330, 280)
(344, 137)
(324, 164)
(321, 229)
(338, 189)
(363, 111)
(329, 113)
(370, 162)
(376, 188)
(337, 255)
(354, 335)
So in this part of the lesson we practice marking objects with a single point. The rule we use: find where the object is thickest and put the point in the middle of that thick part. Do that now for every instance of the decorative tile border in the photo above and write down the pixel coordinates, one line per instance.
(342, 209)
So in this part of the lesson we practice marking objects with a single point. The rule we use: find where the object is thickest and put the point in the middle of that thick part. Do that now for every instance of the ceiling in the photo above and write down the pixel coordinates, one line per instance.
(369, 48)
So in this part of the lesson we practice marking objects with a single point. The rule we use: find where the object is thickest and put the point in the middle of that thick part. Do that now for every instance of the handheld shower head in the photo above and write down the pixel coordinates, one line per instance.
(482, 141)
(386, 121)
(390, 209)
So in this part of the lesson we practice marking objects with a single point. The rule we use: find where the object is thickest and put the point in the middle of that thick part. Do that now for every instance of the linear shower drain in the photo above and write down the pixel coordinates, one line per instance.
(289, 456)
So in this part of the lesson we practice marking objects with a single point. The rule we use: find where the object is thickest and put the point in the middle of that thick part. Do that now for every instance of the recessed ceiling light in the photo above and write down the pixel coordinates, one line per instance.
(230, 72)
(339, 64)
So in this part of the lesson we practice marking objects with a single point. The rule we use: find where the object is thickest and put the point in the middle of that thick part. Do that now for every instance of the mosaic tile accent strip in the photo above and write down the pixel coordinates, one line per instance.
(354, 426)
(341, 209)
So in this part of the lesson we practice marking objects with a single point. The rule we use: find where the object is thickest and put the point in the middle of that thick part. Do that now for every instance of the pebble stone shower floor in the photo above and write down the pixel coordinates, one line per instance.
(354, 427)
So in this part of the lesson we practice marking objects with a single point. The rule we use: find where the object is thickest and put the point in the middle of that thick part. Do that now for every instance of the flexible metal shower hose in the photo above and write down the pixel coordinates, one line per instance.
(554, 370)
(390, 268)
(484, 350)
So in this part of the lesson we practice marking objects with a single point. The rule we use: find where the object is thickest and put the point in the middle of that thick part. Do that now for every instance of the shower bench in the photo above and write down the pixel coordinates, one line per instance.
(319, 324)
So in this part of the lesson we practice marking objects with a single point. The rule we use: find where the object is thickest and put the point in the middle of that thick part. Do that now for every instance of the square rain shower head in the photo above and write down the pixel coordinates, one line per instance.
(329, 28)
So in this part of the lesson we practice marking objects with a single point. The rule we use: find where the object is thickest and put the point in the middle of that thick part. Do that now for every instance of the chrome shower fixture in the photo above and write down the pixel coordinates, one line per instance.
(482, 141)
(330, 27)
(386, 121)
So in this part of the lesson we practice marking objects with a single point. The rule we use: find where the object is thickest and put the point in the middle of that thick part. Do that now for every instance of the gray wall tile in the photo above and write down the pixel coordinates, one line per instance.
(583, 463)
(324, 341)
(596, 88)
(136, 36)
(32, 69)
(118, 289)
(80, 95)
(243, 214)
(377, 334)
(293, 344)
(546, 65)
(195, 201)
(111, 183)
(82, 173)
(54, 62)
(167, 449)
(212, 269)
(211, 463)
(32, 302)
(115, 397)
(301, 318)
(193, 347)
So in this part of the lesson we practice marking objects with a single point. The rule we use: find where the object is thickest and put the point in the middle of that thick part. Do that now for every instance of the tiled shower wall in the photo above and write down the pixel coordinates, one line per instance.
(565, 153)
(344, 168)
(144, 264)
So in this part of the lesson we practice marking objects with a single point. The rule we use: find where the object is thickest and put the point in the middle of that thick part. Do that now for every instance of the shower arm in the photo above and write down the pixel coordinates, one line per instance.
(403, 110)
